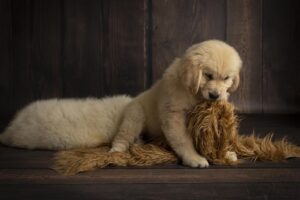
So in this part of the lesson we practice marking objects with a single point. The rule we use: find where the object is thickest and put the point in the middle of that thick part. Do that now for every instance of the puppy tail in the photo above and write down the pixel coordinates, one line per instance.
(265, 148)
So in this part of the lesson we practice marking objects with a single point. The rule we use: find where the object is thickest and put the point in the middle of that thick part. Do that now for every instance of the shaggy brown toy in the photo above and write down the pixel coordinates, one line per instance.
(213, 127)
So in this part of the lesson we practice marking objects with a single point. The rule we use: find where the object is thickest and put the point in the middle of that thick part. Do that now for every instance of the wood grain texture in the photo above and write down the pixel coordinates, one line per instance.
(226, 191)
(243, 31)
(46, 43)
(70, 49)
(103, 47)
(21, 54)
(15, 158)
(177, 24)
(27, 174)
(6, 63)
(35, 55)
(154, 176)
(281, 46)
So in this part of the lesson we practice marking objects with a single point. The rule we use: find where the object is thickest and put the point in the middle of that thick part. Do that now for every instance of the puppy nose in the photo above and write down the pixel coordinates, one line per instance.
(213, 96)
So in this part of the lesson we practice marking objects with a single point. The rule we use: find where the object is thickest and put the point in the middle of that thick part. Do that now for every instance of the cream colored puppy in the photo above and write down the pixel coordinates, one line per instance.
(209, 70)
(66, 123)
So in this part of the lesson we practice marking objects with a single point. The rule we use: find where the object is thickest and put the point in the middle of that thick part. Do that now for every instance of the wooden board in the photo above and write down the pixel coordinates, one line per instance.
(154, 176)
(243, 31)
(70, 49)
(177, 24)
(103, 48)
(27, 174)
(37, 47)
(95, 48)
(281, 46)
(5, 57)
(32, 53)
(226, 191)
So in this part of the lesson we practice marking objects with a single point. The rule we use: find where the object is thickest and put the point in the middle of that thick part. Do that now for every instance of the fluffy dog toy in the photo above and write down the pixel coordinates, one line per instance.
(213, 127)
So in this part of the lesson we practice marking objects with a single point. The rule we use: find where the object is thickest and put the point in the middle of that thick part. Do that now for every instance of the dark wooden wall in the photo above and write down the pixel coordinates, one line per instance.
(79, 48)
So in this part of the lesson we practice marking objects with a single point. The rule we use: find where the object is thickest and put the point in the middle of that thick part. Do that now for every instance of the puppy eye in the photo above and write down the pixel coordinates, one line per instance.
(209, 76)
(226, 78)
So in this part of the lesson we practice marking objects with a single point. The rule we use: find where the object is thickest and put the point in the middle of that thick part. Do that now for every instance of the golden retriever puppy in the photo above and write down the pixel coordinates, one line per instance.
(57, 124)
(208, 70)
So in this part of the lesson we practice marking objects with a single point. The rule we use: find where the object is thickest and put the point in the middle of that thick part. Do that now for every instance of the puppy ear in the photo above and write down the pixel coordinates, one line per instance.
(190, 75)
(235, 83)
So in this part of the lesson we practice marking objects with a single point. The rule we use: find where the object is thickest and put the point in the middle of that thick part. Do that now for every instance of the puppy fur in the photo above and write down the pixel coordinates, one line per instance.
(65, 124)
(208, 70)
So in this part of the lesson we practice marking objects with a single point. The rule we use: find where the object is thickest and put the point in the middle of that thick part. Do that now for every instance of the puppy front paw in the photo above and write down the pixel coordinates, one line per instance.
(196, 161)
(231, 156)
(118, 148)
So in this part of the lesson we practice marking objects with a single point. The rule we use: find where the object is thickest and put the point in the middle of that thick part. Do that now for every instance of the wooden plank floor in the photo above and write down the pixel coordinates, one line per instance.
(27, 174)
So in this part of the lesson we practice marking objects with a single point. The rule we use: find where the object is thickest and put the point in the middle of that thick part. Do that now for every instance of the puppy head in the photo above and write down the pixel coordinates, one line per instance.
(211, 69)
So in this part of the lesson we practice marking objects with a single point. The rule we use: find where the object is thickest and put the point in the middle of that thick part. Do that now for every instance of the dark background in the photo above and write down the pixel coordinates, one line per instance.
(80, 48)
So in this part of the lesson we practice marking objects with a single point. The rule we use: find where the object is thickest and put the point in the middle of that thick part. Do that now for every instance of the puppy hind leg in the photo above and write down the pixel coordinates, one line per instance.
(130, 128)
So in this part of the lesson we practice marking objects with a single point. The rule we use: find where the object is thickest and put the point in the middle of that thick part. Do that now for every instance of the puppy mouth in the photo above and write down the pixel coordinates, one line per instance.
(211, 96)
(210, 99)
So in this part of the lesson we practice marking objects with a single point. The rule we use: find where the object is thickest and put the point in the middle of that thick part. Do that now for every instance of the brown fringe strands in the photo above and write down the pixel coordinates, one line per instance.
(79, 160)
(213, 127)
